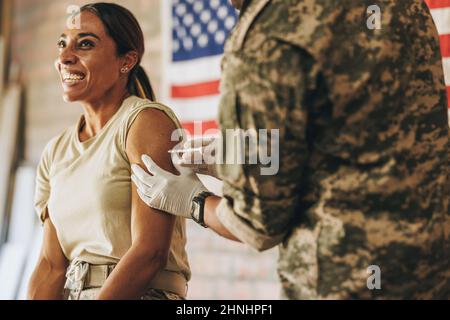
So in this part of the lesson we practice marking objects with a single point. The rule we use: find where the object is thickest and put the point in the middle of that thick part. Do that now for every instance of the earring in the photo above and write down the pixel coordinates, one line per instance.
(124, 70)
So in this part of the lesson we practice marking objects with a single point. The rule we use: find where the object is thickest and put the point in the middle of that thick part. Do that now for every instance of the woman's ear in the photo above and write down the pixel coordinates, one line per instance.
(130, 60)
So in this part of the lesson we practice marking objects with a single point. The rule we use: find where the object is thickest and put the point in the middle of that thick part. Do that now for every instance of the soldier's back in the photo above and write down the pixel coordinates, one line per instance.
(375, 191)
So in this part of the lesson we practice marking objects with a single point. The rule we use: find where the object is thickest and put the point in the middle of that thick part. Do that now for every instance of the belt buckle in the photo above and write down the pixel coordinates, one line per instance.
(75, 279)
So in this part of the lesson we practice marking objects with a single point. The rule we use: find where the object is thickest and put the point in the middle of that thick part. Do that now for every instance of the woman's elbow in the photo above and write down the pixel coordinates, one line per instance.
(47, 267)
(153, 259)
(159, 259)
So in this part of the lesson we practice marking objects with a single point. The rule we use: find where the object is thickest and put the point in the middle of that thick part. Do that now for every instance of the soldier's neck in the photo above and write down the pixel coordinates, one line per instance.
(244, 6)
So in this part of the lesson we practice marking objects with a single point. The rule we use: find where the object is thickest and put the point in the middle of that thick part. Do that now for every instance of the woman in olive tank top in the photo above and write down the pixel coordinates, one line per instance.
(100, 240)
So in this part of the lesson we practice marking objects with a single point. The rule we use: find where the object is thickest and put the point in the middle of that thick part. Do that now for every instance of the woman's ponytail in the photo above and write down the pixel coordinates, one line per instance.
(139, 84)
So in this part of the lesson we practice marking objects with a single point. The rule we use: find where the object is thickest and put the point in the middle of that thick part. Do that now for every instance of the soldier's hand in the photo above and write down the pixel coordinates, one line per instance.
(165, 191)
(198, 154)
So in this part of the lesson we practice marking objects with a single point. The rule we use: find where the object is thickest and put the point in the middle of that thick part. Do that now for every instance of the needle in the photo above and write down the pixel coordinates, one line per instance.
(188, 150)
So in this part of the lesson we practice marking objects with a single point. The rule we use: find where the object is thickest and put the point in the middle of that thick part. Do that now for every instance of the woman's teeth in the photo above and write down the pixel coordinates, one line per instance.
(72, 77)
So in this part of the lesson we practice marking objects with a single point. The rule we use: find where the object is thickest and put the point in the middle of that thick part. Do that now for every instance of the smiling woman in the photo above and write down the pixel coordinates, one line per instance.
(100, 240)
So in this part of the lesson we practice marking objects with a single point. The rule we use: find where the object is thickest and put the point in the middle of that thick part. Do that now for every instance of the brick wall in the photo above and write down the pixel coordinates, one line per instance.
(221, 269)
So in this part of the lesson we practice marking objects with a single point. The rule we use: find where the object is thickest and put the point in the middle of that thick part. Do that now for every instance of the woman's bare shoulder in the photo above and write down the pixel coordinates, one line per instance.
(151, 134)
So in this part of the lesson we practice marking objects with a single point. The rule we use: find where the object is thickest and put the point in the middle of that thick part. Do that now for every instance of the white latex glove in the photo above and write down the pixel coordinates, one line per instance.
(165, 191)
(199, 155)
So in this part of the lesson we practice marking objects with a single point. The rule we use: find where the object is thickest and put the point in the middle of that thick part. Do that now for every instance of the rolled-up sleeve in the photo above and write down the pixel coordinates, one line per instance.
(260, 213)
(243, 229)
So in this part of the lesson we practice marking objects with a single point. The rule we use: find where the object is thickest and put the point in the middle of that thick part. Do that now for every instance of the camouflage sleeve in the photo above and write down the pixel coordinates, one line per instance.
(264, 107)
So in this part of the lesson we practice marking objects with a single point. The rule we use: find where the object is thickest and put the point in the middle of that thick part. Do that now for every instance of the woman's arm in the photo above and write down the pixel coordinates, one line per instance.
(151, 230)
(48, 278)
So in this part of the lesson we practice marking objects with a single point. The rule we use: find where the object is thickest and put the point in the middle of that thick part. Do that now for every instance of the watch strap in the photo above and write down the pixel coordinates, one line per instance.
(198, 207)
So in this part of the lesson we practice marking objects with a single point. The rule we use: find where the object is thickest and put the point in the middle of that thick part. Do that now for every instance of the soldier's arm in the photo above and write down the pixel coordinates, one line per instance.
(212, 221)
(260, 201)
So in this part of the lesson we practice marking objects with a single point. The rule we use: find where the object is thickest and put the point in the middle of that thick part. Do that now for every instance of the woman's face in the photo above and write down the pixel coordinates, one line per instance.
(88, 64)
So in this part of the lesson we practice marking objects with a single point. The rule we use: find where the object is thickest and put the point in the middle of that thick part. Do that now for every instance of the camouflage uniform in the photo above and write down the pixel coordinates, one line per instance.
(364, 146)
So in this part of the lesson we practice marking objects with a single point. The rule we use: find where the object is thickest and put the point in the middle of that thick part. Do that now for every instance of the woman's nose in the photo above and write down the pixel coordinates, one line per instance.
(67, 57)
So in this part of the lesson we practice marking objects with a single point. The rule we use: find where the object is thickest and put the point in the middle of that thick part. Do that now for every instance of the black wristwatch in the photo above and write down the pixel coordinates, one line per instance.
(198, 208)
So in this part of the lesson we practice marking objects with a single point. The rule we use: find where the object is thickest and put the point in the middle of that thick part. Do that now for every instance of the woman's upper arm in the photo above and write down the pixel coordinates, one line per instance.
(150, 134)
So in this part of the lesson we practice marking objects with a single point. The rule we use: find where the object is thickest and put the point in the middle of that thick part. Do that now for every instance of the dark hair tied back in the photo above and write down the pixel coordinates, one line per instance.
(124, 29)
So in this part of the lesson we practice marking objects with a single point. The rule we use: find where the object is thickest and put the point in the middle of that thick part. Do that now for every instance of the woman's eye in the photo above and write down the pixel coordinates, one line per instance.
(61, 44)
(86, 44)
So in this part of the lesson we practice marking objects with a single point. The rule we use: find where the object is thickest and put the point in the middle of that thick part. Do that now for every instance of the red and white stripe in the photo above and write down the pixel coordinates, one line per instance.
(440, 10)
(195, 91)
(191, 89)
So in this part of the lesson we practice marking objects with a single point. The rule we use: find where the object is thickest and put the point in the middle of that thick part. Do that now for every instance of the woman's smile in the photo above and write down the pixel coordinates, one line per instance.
(72, 78)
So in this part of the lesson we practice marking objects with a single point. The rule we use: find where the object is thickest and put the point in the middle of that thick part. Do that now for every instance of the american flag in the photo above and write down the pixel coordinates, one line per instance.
(440, 10)
(198, 31)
